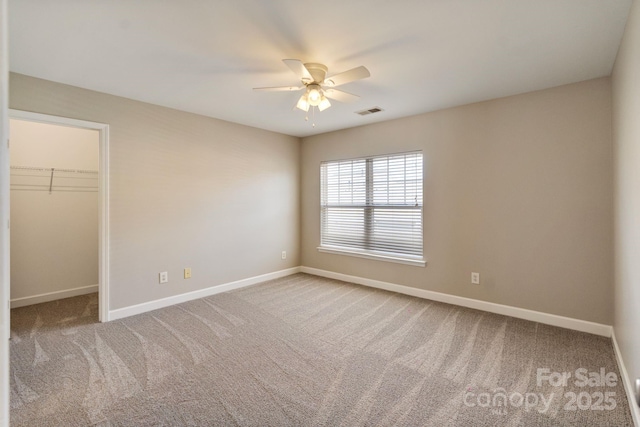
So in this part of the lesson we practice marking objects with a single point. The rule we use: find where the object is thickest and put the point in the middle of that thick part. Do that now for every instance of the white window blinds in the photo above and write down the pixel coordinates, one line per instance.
(373, 205)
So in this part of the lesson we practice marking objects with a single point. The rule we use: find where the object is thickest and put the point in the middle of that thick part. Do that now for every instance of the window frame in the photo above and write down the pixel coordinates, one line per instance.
(368, 209)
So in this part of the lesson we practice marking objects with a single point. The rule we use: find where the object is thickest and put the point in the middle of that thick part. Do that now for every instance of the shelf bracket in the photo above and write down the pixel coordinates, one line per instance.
(51, 181)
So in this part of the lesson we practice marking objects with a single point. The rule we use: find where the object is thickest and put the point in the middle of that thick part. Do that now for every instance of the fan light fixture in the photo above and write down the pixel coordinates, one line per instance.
(313, 97)
(317, 88)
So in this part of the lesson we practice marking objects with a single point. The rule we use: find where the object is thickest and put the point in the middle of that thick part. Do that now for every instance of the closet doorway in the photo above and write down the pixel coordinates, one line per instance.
(59, 221)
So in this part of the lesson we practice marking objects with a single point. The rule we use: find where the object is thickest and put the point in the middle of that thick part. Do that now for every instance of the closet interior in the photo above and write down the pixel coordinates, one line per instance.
(54, 212)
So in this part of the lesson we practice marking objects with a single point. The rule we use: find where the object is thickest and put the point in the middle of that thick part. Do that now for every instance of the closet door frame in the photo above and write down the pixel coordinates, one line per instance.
(103, 195)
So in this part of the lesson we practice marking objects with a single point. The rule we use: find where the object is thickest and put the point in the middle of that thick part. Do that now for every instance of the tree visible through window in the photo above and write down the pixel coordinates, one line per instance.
(373, 205)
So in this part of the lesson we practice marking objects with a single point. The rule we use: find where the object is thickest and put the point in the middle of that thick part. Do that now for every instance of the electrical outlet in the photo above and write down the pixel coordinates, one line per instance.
(475, 278)
(187, 273)
(164, 277)
(284, 254)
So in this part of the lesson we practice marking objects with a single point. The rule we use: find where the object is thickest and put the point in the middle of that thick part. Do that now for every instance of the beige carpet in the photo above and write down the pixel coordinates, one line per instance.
(303, 351)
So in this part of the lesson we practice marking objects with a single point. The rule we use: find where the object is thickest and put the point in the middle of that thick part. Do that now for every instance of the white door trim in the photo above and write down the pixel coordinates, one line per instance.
(4, 217)
(103, 195)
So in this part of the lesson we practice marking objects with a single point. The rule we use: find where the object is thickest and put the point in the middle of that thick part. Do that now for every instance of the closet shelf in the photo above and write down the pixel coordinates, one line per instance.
(31, 168)
(30, 178)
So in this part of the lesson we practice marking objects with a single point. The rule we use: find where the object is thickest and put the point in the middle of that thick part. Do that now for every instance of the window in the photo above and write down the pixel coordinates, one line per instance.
(372, 207)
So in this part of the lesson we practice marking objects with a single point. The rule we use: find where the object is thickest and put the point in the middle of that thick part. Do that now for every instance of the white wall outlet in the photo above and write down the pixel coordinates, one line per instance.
(475, 278)
(187, 273)
(284, 254)
(164, 277)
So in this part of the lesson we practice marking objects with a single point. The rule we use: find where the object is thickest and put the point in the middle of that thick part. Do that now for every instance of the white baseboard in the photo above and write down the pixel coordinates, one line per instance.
(201, 293)
(520, 313)
(628, 386)
(52, 296)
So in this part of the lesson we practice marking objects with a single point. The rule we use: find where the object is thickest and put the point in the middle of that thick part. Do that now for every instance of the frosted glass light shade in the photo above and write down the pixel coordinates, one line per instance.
(324, 103)
(314, 96)
(303, 104)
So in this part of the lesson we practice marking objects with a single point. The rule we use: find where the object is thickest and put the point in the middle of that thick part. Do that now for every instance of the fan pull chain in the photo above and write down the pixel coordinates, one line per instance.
(313, 116)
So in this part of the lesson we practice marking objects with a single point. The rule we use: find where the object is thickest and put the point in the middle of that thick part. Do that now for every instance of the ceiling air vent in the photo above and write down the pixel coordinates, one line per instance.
(369, 111)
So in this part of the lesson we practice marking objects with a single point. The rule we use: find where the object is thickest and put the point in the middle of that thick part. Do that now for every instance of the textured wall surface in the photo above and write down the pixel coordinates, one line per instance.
(185, 191)
(518, 189)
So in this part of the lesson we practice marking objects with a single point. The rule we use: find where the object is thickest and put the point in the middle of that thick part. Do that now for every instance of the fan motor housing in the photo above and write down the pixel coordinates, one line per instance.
(317, 71)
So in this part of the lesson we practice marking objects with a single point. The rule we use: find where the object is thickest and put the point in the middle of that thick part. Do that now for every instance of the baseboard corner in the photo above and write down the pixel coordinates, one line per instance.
(626, 381)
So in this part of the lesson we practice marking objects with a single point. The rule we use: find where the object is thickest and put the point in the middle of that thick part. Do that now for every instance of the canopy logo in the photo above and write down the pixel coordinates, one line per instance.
(499, 400)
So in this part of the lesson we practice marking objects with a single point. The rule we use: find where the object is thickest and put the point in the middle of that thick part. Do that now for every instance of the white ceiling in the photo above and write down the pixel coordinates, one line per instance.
(206, 56)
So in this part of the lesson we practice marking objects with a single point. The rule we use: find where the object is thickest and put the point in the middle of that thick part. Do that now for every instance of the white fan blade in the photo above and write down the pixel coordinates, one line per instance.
(340, 95)
(299, 69)
(278, 89)
(347, 76)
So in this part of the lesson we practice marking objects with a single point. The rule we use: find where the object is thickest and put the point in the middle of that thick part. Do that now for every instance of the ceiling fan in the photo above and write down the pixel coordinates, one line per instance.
(318, 87)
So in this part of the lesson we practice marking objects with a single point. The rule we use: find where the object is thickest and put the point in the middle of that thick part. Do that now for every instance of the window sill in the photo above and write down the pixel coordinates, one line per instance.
(388, 258)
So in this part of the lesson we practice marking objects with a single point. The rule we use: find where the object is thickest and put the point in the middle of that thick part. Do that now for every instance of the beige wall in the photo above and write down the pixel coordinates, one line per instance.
(52, 146)
(626, 131)
(54, 237)
(185, 191)
(517, 189)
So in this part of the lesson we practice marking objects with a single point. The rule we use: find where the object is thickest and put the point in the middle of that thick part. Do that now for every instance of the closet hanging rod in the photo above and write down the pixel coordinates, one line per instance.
(56, 190)
(43, 186)
(84, 178)
(31, 168)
